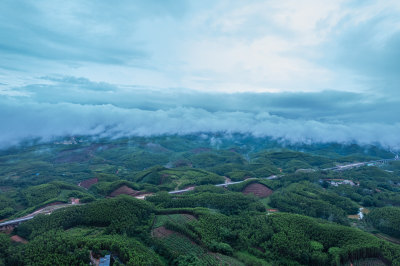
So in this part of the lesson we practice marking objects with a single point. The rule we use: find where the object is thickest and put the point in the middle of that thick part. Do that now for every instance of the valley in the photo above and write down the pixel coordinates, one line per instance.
(181, 200)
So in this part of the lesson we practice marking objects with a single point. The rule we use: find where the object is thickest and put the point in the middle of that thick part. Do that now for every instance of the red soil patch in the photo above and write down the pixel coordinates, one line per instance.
(258, 190)
(88, 182)
(74, 200)
(354, 217)
(161, 232)
(124, 190)
(7, 229)
(18, 239)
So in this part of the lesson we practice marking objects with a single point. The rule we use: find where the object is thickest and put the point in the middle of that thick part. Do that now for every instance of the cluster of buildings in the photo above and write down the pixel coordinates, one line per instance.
(337, 182)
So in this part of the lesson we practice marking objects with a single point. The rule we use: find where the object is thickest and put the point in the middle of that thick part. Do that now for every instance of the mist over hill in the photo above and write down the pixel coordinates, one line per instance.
(303, 72)
(70, 106)
(184, 132)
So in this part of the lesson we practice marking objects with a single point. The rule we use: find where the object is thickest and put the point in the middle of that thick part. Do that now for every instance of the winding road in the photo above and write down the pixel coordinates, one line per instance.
(50, 209)
(45, 210)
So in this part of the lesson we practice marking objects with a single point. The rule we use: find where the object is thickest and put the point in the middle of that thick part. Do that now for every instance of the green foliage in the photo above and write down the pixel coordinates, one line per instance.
(210, 224)
(129, 250)
(179, 218)
(290, 160)
(240, 175)
(228, 203)
(312, 200)
(226, 168)
(212, 159)
(209, 188)
(105, 188)
(35, 197)
(386, 219)
(104, 177)
(250, 260)
(51, 248)
(294, 165)
(221, 247)
(177, 178)
(41, 193)
(265, 171)
(179, 244)
(123, 214)
(295, 236)
(56, 247)
(8, 205)
(142, 159)
(5, 243)
(377, 187)
(183, 251)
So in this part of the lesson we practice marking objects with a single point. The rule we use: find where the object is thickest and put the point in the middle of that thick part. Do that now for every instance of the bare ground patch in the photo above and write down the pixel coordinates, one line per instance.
(124, 190)
(18, 239)
(88, 182)
(161, 232)
(258, 190)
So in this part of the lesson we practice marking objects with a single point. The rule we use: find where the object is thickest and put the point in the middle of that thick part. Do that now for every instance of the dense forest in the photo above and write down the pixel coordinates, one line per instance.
(244, 201)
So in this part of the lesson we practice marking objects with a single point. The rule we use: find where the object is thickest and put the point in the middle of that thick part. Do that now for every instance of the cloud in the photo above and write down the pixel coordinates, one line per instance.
(324, 105)
(304, 71)
(328, 116)
(80, 83)
(366, 45)
(221, 46)
(78, 31)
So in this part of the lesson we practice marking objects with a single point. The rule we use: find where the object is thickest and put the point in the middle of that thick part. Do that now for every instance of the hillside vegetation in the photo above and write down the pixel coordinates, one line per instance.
(278, 205)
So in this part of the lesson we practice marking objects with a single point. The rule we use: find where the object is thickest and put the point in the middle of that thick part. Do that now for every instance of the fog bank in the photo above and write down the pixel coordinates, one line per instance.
(297, 118)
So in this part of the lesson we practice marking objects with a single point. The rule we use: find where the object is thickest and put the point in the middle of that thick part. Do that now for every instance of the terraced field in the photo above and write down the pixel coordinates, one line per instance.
(180, 245)
(125, 190)
(258, 190)
(367, 262)
(160, 220)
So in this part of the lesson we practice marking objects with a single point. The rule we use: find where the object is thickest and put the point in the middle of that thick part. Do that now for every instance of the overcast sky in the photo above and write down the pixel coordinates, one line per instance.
(311, 70)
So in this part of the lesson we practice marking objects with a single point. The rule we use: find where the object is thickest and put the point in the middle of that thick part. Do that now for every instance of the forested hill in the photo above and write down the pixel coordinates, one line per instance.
(245, 201)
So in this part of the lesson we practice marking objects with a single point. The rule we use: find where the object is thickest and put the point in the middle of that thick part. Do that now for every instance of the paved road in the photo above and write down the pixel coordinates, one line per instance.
(49, 209)
(336, 168)
(15, 221)
(353, 165)
(223, 184)
(218, 185)
(45, 210)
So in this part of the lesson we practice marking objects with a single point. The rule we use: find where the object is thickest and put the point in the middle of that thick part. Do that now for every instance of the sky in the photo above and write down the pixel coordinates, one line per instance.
(304, 71)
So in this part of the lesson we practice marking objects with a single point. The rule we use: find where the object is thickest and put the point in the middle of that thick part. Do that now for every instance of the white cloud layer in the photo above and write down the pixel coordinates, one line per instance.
(68, 106)
(176, 67)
